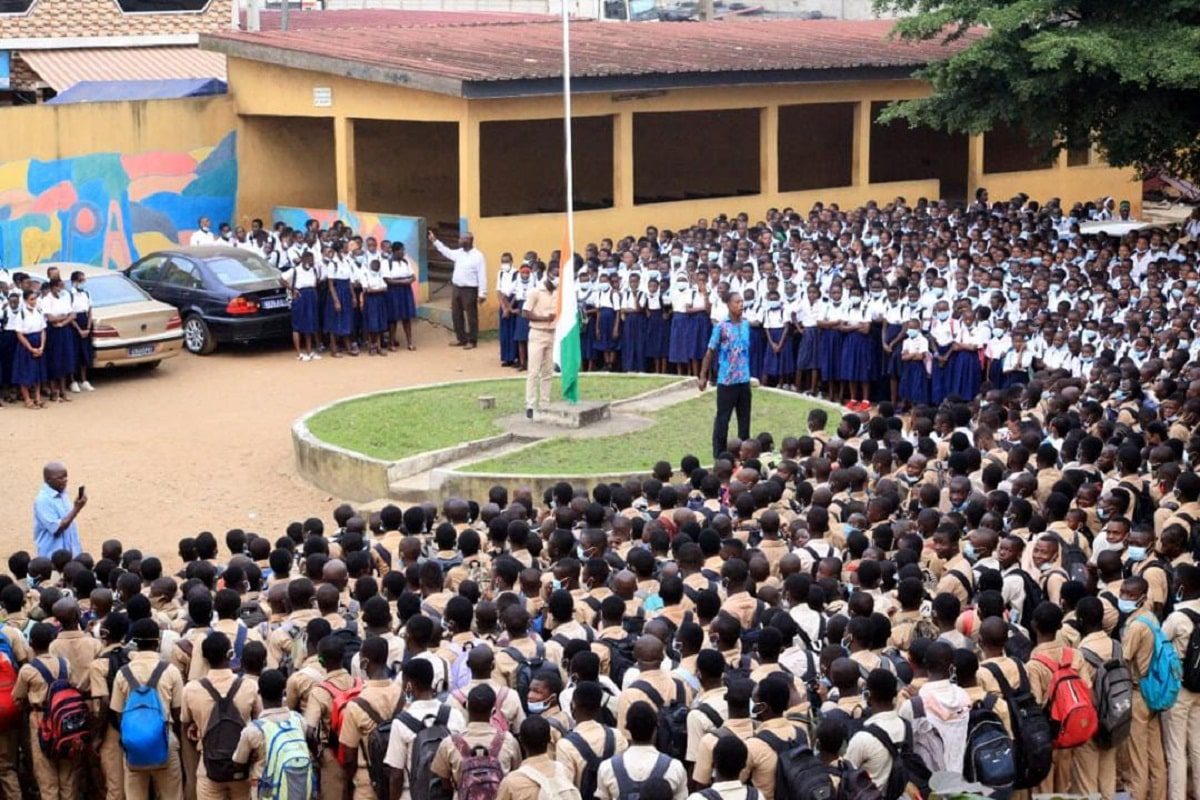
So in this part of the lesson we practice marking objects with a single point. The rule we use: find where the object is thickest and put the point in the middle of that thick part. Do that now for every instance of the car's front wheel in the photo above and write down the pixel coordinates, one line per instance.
(197, 337)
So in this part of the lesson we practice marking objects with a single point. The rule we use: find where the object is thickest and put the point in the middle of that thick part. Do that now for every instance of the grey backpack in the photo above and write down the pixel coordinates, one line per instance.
(1112, 692)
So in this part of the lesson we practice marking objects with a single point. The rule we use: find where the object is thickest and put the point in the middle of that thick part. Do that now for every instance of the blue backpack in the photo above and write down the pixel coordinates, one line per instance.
(6, 648)
(1160, 685)
(144, 736)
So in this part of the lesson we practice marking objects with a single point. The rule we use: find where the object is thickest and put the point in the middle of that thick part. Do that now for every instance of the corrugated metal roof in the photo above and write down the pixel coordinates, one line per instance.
(61, 69)
(533, 50)
(394, 18)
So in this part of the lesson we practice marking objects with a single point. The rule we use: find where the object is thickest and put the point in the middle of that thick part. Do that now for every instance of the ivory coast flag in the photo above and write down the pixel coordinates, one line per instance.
(566, 325)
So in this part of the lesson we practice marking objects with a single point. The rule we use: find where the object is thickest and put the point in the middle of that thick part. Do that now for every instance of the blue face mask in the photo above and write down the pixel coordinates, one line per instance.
(943, 315)
(1126, 606)
(555, 584)
(969, 552)
(1136, 553)
(913, 333)
(537, 708)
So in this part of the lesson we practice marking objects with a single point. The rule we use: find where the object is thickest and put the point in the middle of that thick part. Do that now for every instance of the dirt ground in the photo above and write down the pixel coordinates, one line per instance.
(200, 443)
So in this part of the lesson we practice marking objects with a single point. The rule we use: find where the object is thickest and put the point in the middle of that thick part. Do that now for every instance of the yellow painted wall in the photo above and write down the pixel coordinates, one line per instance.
(76, 129)
(1069, 184)
(284, 162)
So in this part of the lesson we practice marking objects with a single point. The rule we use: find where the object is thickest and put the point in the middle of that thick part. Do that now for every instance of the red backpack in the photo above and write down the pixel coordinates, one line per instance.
(339, 699)
(10, 712)
(1069, 702)
(63, 731)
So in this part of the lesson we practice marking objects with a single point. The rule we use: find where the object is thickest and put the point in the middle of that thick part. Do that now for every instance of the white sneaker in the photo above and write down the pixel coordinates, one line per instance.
(314, 356)
(302, 357)
(75, 387)
(87, 387)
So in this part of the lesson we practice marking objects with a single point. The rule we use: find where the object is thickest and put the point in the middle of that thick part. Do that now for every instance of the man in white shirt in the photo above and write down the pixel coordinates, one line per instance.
(469, 286)
(203, 235)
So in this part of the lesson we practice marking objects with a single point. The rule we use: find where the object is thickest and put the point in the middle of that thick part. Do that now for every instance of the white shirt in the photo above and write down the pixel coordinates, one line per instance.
(81, 301)
(340, 269)
(202, 237)
(28, 320)
(1015, 361)
(373, 281)
(301, 278)
(470, 267)
(52, 305)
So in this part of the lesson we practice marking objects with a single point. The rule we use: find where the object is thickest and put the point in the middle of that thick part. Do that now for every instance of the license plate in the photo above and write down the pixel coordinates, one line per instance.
(275, 302)
(140, 350)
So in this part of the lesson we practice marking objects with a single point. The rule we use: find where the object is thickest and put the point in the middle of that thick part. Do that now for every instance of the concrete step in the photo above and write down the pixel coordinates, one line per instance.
(662, 400)
(420, 487)
(437, 309)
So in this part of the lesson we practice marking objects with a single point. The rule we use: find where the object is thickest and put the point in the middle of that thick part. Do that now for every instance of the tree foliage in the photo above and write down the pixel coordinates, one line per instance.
(1123, 75)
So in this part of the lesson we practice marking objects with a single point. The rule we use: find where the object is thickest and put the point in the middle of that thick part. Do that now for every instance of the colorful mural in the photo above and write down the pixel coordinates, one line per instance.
(108, 209)
(410, 230)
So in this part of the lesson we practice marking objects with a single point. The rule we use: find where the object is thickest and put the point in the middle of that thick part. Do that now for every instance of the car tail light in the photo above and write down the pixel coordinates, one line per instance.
(242, 305)
(174, 323)
(104, 332)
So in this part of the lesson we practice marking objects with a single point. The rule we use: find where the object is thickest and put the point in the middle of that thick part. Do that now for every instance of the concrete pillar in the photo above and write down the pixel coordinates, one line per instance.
(343, 154)
(860, 167)
(468, 170)
(768, 159)
(623, 160)
(974, 165)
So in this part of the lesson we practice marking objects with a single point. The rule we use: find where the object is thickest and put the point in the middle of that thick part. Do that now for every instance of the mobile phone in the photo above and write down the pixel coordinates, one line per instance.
(81, 488)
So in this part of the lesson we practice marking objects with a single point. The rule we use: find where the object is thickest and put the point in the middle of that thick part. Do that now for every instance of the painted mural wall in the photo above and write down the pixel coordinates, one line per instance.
(109, 208)
(409, 230)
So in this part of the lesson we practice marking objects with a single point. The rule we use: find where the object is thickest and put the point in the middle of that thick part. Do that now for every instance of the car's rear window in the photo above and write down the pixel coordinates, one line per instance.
(113, 290)
(241, 271)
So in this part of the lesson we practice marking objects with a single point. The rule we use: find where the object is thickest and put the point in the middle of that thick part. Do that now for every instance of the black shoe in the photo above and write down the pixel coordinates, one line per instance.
(529, 413)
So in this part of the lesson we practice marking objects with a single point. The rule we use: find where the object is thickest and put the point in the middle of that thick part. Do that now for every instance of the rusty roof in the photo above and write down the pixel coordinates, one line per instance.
(500, 60)
(382, 17)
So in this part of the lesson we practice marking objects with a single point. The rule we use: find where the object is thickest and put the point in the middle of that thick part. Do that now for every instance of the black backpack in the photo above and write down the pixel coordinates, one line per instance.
(620, 657)
(672, 718)
(1193, 534)
(252, 615)
(627, 787)
(853, 724)
(351, 644)
(1143, 504)
(376, 745)
(907, 766)
(1191, 656)
(1033, 738)
(592, 759)
(1074, 560)
(799, 774)
(526, 669)
(989, 757)
(856, 784)
(1033, 598)
(222, 734)
(116, 660)
(1018, 646)
(422, 782)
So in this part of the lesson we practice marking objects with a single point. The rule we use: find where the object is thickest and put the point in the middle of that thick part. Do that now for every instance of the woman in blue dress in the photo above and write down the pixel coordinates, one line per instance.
(605, 344)
(29, 360)
(778, 361)
(807, 364)
(9, 317)
(829, 344)
(913, 386)
(699, 322)
(632, 324)
(81, 307)
(522, 285)
(658, 326)
(302, 283)
(966, 373)
(401, 276)
(61, 340)
(855, 358)
(753, 314)
(942, 331)
(374, 306)
(339, 301)
(508, 317)
(895, 318)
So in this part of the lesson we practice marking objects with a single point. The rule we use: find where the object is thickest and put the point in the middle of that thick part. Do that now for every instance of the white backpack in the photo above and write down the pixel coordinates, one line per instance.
(556, 787)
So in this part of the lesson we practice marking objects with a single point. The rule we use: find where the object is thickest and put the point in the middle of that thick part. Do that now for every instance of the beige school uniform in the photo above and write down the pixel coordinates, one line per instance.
(55, 780)
(168, 781)
(317, 715)
(447, 762)
(198, 706)
(384, 697)
(594, 735)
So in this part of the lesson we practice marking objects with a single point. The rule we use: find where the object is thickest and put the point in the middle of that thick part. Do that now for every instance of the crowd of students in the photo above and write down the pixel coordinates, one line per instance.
(46, 331)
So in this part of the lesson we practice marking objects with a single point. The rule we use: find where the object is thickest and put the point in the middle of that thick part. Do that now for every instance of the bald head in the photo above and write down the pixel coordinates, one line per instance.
(648, 651)
(66, 611)
(334, 572)
(480, 661)
(55, 475)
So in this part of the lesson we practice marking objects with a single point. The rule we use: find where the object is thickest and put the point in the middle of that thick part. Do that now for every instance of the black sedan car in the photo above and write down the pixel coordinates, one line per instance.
(223, 294)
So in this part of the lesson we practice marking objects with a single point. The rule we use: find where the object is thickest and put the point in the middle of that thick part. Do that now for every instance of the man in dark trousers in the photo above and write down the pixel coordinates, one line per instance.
(469, 287)
(730, 340)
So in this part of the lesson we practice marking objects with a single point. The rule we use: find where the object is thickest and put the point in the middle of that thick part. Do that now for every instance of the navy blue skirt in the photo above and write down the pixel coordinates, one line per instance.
(995, 375)
(783, 363)
(61, 347)
(85, 351)
(758, 346)
(520, 325)
(1011, 379)
(340, 323)
(892, 365)
(8, 348)
(508, 345)
(603, 340)
(829, 353)
(914, 383)
(701, 328)
(880, 361)
(28, 371)
(402, 302)
(587, 331)
(939, 388)
(658, 334)
(633, 343)
(965, 374)
(679, 350)
(304, 311)
(855, 360)
(375, 312)
(806, 349)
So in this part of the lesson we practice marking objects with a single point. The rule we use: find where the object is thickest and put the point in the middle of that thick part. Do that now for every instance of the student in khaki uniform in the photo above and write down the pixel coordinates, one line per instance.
(168, 781)
(993, 636)
(641, 761)
(738, 725)
(252, 747)
(731, 758)
(300, 595)
(186, 654)
(865, 751)
(1047, 620)
(612, 631)
(588, 733)
(72, 644)
(199, 705)
(113, 630)
(769, 704)
(479, 734)
(310, 672)
(384, 698)
(1181, 722)
(1147, 762)
(421, 705)
(710, 709)
(227, 604)
(648, 653)
(481, 664)
(539, 775)
(1093, 767)
(738, 603)
(10, 784)
(318, 715)
(516, 623)
(55, 780)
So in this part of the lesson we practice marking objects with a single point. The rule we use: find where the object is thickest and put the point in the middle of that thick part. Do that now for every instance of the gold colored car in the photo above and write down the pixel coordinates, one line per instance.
(129, 327)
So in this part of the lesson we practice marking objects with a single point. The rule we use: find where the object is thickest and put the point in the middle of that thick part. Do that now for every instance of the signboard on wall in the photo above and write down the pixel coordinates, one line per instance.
(5, 69)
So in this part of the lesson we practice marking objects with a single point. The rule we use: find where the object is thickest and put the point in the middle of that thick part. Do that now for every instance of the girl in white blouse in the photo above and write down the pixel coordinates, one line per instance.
(29, 364)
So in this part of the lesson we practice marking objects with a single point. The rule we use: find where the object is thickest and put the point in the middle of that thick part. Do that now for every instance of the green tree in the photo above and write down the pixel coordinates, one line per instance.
(1123, 75)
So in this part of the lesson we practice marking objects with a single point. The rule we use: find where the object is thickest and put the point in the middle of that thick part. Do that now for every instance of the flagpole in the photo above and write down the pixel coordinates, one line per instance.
(566, 31)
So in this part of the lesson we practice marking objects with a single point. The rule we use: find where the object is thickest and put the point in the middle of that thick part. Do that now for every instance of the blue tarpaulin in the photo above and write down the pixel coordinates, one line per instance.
(102, 91)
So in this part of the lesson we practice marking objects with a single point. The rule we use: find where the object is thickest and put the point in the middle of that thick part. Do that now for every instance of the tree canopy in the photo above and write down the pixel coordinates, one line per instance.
(1123, 75)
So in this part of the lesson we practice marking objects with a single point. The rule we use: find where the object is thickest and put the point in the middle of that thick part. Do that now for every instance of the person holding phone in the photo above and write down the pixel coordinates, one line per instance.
(54, 513)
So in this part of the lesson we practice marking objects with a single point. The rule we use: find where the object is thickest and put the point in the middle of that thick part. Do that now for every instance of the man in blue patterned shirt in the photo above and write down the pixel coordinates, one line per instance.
(730, 340)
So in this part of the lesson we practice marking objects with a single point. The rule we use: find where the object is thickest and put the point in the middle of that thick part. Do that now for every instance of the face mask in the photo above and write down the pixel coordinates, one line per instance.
(554, 281)
(1127, 606)
(943, 316)
(1177, 293)
(756, 711)
(537, 708)
(774, 305)
(969, 552)
(877, 295)
(555, 584)
(1049, 565)
(1136, 553)
(938, 291)
(912, 333)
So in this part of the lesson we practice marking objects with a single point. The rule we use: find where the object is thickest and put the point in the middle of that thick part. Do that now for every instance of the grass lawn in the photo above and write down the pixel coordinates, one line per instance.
(404, 423)
(679, 430)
